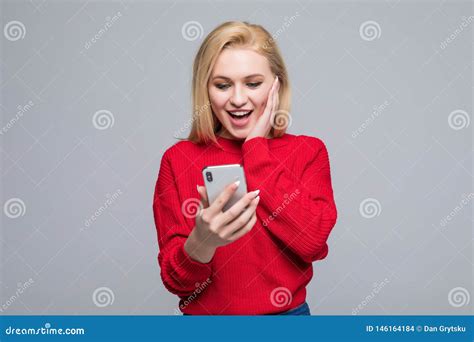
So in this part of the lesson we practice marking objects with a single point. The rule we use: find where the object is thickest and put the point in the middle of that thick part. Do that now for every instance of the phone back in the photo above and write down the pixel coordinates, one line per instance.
(216, 178)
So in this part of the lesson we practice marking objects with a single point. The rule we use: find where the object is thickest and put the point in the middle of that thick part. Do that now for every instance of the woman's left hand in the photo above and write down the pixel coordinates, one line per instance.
(264, 125)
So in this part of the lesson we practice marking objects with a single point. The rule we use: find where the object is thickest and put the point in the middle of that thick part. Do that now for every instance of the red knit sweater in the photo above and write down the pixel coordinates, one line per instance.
(266, 271)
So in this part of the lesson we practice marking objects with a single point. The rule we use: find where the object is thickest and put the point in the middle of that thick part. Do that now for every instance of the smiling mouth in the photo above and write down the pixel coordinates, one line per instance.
(240, 115)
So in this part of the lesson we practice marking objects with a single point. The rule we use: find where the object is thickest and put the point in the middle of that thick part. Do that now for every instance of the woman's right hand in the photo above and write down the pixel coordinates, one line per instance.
(215, 228)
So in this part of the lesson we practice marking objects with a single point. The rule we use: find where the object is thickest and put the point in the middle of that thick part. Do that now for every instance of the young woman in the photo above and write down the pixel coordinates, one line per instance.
(256, 257)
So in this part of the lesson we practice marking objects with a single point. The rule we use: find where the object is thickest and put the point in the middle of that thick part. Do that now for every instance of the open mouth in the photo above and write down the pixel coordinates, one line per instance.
(240, 115)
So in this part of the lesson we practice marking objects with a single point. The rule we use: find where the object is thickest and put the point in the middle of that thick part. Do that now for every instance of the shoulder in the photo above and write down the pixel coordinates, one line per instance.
(305, 141)
(181, 149)
(176, 156)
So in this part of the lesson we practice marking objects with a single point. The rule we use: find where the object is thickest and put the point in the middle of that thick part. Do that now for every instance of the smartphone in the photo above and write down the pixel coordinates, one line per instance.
(217, 177)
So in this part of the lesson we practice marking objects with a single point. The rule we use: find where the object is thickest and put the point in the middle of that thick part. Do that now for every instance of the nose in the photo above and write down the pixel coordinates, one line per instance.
(239, 97)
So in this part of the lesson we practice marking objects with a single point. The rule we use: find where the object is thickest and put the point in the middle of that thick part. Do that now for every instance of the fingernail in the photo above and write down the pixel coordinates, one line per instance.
(256, 192)
(237, 184)
(197, 187)
(257, 198)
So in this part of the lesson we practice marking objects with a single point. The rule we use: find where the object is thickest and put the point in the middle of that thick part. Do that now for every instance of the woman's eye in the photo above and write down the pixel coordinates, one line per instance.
(254, 84)
(222, 86)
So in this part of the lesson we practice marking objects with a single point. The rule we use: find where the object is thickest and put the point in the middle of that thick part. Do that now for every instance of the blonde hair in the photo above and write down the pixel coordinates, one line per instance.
(232, 34)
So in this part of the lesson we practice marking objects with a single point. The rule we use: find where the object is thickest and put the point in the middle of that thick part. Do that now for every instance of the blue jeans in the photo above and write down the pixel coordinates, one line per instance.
(301, 310)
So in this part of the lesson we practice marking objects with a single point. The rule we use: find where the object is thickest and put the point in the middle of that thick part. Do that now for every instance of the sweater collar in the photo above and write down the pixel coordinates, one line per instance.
(235, 146)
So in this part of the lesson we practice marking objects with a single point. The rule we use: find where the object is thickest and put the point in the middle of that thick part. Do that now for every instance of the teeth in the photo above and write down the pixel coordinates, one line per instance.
(239, 113)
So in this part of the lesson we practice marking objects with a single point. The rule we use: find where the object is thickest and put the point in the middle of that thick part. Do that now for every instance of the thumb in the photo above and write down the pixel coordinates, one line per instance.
(202, 193)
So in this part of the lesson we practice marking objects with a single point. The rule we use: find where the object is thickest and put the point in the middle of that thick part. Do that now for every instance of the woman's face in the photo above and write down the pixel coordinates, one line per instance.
(239, 83)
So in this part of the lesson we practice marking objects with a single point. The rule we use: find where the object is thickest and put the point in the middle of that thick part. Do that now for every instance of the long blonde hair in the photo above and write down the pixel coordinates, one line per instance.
(232, 34)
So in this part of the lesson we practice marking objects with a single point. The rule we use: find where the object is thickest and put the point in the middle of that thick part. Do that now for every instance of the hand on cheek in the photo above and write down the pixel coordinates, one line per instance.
(263, 125)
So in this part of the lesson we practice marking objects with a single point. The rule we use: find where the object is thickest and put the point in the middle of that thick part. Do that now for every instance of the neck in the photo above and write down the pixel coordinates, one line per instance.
(223, 133)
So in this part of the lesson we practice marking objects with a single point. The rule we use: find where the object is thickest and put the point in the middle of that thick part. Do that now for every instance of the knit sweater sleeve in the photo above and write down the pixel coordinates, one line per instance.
(299, 210)
(179, 272)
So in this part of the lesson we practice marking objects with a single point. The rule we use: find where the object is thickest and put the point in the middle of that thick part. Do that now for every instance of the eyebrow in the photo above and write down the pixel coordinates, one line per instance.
(227, 78)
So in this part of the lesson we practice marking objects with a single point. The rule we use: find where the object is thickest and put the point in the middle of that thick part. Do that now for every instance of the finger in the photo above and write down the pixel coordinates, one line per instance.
(233, 212)
(241, 220)
(277, 94)
(224, 196)
(276, 101)
(203, 194)
(275, 98)
(272, 92)
(269, 104)
(276, 85)
(247, 228)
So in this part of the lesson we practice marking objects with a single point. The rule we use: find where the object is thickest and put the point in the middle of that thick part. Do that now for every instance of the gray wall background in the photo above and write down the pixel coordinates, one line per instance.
(397, 72)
